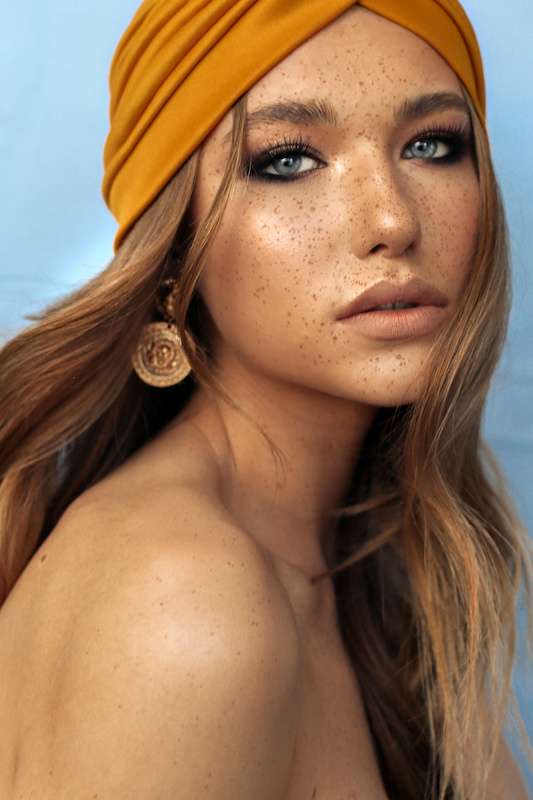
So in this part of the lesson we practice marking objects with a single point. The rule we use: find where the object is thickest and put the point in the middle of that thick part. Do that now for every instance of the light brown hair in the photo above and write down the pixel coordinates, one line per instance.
(428, 553)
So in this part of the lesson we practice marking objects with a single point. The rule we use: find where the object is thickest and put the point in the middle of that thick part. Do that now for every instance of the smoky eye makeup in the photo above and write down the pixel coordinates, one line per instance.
(442, 145)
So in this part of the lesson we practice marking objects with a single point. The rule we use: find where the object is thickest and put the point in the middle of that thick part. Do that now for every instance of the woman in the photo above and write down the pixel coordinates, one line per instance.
(251, 546)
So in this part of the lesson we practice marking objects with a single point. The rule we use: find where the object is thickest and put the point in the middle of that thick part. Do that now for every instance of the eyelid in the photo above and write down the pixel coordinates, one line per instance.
(445, 129)
(455, 127)
(287, 142)
(280, 145)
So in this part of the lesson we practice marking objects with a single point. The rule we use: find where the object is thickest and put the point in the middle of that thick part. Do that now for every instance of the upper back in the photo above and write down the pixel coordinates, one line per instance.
(147, 633)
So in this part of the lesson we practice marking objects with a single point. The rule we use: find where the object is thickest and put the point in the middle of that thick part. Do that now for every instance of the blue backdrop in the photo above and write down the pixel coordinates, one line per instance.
(57, 231)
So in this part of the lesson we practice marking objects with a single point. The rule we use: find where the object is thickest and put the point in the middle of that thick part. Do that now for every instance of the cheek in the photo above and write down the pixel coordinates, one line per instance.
(263, 266)
(453, 223)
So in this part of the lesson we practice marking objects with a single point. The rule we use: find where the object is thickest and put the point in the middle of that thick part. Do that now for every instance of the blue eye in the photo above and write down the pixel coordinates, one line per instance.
(456, 139)
(285, 150)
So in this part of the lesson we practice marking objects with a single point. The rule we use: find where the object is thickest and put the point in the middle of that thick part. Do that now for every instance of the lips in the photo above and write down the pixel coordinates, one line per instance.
(415, 291)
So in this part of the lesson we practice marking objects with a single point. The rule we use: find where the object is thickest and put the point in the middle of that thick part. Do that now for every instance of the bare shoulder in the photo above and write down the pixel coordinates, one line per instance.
(119, 530)
(179, 672)
(506, 779)
(181, 545)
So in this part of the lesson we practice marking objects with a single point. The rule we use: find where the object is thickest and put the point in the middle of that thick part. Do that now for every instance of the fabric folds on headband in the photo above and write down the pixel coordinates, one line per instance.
(181, 64)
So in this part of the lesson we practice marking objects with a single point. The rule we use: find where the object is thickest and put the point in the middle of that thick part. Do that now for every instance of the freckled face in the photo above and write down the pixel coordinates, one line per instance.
(372, 203)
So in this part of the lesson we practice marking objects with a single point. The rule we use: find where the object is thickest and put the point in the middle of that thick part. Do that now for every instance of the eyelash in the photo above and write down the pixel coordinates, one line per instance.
(457, 136)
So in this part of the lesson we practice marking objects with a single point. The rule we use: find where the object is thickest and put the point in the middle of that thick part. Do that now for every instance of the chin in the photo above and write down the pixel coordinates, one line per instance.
(388, 396)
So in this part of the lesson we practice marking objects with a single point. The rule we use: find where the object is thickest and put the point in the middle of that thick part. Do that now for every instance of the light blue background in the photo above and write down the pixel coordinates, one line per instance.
(57, 231)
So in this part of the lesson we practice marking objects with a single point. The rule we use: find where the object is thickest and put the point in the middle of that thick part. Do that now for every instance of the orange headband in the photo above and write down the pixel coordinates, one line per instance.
(181, 64)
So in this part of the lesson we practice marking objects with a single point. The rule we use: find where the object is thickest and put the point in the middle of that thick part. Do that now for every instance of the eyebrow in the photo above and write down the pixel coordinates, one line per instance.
(321, 111)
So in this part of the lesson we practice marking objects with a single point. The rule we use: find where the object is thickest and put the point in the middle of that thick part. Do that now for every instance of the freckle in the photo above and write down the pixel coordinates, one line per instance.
(43, 558)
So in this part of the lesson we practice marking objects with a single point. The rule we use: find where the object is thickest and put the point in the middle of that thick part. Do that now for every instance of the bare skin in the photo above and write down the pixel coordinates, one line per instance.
(288, 258)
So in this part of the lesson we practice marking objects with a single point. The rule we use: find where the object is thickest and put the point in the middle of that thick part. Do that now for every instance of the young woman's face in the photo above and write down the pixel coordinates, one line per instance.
(374, 200)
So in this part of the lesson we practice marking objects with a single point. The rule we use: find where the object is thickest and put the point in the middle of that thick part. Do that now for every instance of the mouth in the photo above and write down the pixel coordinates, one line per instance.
(385, 297)
(391, 307)
(388, 324)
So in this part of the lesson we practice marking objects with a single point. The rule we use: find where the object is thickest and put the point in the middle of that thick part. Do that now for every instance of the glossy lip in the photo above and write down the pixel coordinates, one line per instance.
(400, 324)
(382, 293)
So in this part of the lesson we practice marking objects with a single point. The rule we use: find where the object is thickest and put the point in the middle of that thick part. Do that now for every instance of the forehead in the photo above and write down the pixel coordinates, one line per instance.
(359, 53)
(364, 64)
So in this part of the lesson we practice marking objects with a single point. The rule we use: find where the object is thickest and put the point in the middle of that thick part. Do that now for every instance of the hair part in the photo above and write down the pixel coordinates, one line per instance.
(428, 554)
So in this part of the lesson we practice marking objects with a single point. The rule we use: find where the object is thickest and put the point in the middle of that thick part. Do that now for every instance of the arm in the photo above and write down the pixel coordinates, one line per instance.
(178, 682)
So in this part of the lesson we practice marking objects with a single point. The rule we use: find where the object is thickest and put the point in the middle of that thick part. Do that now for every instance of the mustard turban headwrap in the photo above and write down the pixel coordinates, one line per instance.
(181, 64)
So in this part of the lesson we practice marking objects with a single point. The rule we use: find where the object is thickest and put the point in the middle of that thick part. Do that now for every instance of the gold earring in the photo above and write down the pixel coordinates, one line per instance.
(159, 359)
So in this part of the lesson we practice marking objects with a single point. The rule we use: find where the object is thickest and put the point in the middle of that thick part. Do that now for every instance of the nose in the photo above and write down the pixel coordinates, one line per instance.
(382, 208)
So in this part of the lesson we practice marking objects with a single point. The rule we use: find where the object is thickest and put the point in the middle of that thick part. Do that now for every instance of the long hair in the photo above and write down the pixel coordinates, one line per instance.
(428, 553)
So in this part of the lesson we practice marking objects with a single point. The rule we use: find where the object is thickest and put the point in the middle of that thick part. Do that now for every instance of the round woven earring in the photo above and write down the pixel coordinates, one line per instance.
(159, 359)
